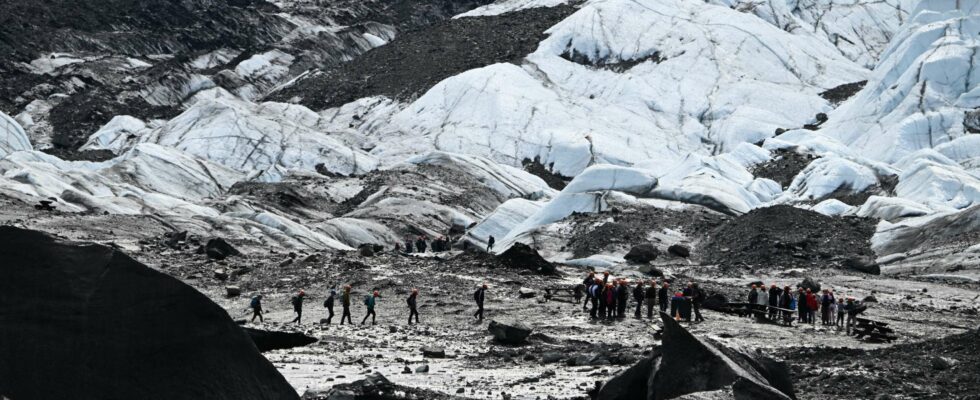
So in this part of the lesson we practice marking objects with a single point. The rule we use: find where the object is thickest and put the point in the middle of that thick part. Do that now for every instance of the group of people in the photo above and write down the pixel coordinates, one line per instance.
(421, 243)
(805, 304)
(370, 302)
(610, 298)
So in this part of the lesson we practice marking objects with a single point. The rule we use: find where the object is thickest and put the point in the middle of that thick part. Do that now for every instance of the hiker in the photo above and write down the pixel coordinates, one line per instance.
(345, 301)
(677, 303)
(370, 301)
(763, 301)
(588, 282)
(787, 303)
(841, 310)
(663, 296)
(328, 303)
(697, 297)
(605, 278)
(256, 306)
(801, 304)
(753, 300)
(408, 244)
(774, 294)
(609, 296)
(420, 244)
(578, 293)
(638, 294)
(853, 308)
(829, 302)
(413, 306)
(490, 243)
(479, 296)
(812, 304)
(297, 301)
(623, 298)
(651, 295)
(594, 293)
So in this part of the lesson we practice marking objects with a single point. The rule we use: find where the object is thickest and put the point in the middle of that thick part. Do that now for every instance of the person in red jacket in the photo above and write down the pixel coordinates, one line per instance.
(812, 305)
(609, 296)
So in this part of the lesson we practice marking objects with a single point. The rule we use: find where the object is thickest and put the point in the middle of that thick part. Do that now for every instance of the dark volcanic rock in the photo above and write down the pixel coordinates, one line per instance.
(523, 256)
(273, 340)
(843, 92)
(677, 250)
(554, 181)
(433, 352)
(688, 365)
(418, 59)
(219, 249)
(116, 329)
(785, 236)
(642, 253)
(510, 332)
(783, 167)
(809, 283)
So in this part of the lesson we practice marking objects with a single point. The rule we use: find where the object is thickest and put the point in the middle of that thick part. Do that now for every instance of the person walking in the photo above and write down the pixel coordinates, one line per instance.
(663, 296)
(345, 302)
(256, 306)
(370, 302)
(638, 294)
(413, 306)
(297, 301)
(420, 244)
(774, 294)
(479, 296)
(651, 297)
(328, 303)
(490, 243)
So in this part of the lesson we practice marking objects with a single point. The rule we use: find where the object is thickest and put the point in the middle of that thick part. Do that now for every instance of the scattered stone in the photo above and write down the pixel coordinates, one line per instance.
(650, 270)
(219, 249)
(642, 253)
(677, 250)
(550, 358)
(233, 291)
(526, 293)
(870, 299)
(422, 369)
(433, 352)
(220, 274)
(514, 333)
(174, 239)
(407, 370)
(366, 250)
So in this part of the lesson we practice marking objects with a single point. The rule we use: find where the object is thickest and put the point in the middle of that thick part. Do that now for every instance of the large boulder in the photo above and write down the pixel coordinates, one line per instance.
(116, 329)
(863, 264)
(219, 249)
(521, 255)
(642, 253)
(809, 283)
(686, 365)
(275, 340)
(678, 250)
(510, 332)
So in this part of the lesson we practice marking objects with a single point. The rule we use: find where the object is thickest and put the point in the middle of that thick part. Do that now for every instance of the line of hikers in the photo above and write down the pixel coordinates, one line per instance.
(610, 298)
(370, 302)
(421, 243)
(805, 304)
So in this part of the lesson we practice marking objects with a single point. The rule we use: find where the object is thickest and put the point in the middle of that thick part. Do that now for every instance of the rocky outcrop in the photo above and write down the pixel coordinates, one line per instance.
(114, 328)
(219, 249)
(523, 256)
(686, 365)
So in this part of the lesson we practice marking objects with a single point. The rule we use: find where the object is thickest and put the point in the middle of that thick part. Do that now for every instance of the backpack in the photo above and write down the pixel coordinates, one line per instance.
(476, 295)
(255, 302)
(367, 300)
(792, 303)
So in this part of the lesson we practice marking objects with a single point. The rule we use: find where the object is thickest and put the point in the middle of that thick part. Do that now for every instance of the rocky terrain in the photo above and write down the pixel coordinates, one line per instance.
(187, 156)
